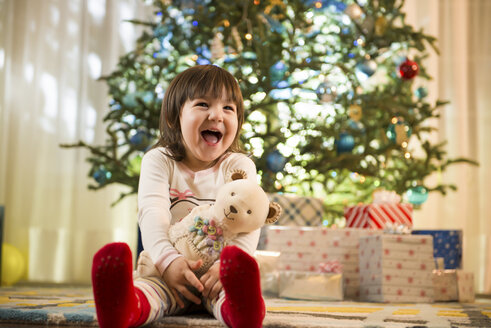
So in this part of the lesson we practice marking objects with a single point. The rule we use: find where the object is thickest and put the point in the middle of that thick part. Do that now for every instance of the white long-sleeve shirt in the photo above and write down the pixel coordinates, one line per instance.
(167, 192)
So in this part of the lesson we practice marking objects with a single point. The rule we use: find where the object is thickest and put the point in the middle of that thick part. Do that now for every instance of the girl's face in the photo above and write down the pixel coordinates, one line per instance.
(208, 127)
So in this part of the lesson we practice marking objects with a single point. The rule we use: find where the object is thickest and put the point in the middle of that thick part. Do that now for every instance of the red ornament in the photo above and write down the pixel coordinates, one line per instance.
(408, 69)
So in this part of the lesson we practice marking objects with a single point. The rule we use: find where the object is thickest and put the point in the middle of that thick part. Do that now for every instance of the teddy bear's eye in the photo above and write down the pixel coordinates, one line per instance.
(232, 194)
(249, 212)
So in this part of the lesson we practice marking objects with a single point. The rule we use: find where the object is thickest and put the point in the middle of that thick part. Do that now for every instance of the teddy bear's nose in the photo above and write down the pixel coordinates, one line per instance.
(233, 209)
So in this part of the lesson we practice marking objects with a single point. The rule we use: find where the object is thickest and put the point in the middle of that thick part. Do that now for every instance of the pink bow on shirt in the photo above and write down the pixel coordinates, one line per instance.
(180, 195)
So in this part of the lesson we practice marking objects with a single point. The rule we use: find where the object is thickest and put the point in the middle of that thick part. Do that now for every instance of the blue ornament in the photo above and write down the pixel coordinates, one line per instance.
(277, 72)
(129, 100)
(202, 61)
(421, 92)
(417, 195)
(366, 69)
(140, 140)
(345, 143)
(102, 175)
(275, 161)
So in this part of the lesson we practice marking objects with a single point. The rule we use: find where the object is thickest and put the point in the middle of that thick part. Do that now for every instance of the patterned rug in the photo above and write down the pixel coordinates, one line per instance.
(75, 307)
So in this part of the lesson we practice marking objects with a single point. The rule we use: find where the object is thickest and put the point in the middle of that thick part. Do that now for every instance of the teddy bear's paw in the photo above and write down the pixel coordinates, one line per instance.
(145, 266)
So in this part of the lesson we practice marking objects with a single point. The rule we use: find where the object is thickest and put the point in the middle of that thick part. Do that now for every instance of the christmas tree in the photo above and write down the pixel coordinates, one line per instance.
(335, 95)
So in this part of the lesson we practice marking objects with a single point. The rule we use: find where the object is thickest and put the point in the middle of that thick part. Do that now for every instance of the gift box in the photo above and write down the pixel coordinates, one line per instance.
(305, 248)
(298, 210)
(315, 286)
(453, 285)
(447, 244)
(396, 268)
(377, 216)
(269, 271)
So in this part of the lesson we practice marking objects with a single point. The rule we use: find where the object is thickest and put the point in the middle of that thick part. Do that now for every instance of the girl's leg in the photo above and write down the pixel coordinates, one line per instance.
(242, 305)
(118, 302)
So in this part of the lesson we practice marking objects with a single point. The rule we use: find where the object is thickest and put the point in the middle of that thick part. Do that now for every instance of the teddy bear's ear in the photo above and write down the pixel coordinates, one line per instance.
(237, 174)
(274, 213)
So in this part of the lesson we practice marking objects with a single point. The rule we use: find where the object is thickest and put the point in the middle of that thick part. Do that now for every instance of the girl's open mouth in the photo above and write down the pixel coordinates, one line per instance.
(211, 137)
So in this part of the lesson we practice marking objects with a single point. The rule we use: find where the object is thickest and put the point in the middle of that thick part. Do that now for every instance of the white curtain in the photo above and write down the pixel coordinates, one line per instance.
(462, 75)
(51, 54)
(53, 51)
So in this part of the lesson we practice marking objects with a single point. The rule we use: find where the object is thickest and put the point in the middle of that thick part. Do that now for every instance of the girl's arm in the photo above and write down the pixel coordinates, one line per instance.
(154, 215)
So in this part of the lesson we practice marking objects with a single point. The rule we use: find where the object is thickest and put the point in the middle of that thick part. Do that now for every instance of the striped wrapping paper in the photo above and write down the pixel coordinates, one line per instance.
(376, 216)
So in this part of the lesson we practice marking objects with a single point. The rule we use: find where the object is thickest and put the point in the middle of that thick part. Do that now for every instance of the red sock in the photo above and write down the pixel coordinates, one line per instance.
(118, 303)
(244, 305)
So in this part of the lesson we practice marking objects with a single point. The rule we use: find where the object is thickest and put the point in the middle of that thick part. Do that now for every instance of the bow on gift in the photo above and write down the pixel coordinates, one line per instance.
(330, 267)
(385, 197)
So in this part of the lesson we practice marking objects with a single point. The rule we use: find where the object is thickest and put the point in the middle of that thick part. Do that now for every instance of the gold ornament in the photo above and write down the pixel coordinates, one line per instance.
(353, 11)
(380, 26)
(401, 134)
(273, 4)
(355, 112)
(237, 39)
(217, 48)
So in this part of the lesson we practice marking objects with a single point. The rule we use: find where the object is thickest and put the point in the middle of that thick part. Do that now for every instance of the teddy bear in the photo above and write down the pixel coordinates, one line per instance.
(241, 206)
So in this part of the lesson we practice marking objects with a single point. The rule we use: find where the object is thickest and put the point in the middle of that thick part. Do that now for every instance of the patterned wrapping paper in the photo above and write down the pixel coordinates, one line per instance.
(453, 285)
(376, 216)
(447, 244)
(298, 210)
(303, 248)
(396, 268)
(465, 283)
(313, 286)
(445, 285)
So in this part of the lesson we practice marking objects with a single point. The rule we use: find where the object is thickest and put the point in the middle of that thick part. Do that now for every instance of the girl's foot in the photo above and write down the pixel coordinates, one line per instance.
(118, 302)
(244, 305)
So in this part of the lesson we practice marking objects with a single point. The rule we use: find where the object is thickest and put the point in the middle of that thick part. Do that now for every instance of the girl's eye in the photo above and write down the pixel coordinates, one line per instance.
(232, 194)
(202, 104)
(249, 212)
(229, 108)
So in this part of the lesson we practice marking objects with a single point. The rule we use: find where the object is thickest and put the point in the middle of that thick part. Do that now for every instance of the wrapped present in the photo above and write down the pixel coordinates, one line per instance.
(268, 269)
(453, 285)
(396, 268)
(465, 283)
(447, 244)
(298, 210)
(315, 286)
(376, 216)
(304, 248)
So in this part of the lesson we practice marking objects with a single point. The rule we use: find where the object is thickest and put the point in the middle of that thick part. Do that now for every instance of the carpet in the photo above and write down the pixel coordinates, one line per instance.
(75, 307)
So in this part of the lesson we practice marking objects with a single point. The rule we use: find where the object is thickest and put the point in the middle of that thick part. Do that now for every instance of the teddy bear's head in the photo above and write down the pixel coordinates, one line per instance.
(243, 205)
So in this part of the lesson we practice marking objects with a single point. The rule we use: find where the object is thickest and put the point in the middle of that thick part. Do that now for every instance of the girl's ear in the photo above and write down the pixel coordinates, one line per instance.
(274, 213)
(237, 174)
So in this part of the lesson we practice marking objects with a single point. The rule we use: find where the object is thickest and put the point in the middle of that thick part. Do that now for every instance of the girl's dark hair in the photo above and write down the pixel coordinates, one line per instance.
(195, 82)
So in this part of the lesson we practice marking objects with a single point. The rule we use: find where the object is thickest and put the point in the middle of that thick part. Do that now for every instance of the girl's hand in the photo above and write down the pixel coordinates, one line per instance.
(179, 275)
(211, 281)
